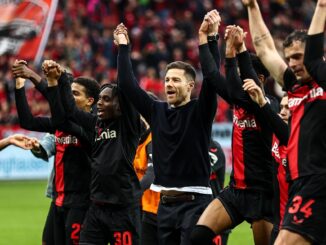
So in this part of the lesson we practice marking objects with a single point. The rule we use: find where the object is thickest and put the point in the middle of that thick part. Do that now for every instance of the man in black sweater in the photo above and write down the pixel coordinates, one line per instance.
(181, 130)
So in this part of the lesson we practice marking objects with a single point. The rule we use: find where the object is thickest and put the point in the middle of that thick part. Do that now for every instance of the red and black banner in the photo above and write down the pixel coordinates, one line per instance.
(25, 26)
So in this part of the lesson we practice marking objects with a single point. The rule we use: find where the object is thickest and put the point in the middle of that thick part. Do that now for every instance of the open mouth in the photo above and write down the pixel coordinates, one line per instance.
(169, 93)
(100, 112)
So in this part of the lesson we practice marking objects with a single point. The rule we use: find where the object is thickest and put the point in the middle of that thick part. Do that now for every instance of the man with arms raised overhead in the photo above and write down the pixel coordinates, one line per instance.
(304, 216)
(181, 131)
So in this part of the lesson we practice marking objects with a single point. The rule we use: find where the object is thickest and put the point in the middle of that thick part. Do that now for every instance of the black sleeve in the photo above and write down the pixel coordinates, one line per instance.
(82, 118)
(26, 119)
(40, 153)
(278, 126)
(289, 80)
(213, 48)
(314, 58)
(238, 95)
(207, 100)
(61, 122)
(129, 85)
(210, 63)
(41, 87)
(246, 68)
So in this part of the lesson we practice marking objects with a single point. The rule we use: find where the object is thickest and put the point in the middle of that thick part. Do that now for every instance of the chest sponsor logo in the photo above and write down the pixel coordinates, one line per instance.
(107, 134)
(313, 93)
(66, 140)
(245, 123)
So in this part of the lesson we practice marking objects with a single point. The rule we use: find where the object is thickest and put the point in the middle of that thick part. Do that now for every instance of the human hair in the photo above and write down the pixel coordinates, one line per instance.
(190, 71)
(285, 94)
(258, 65)
(112, 86)
(297, 35)
(92, 88)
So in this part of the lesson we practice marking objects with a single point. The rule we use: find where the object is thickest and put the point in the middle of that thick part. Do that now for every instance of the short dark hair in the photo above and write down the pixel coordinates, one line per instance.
(297, 35)
(258, 65)
(190, 71)
(112, 86)
(92, 88)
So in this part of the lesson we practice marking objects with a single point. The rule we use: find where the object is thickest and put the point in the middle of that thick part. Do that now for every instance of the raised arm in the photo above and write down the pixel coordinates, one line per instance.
(26, 119)
(264, 43)
(126, 79)
(317, 24)
(59, 119)
(278, 126)
(20, 69)
(82, 118)
(314, 50)
(209, 57)
(234, 82)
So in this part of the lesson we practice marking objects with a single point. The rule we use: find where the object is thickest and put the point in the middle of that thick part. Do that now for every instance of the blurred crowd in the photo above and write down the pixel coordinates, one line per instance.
(161, 31)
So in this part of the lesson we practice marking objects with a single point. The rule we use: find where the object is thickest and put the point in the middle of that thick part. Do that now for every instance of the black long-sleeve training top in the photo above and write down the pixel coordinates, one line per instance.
(181, 135)
(72, 162)
(113, 180)
(314, 58)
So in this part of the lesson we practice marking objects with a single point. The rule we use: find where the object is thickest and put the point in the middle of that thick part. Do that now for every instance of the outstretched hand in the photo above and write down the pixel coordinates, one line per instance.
(120, 35)
(21, 141)
(235, 37)
(211, 23)
(35, 144)
(20, 69)
(254, 91)
(52, 71)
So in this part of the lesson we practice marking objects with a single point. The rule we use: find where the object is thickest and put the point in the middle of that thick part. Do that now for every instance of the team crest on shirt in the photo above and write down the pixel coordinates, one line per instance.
(107, 134)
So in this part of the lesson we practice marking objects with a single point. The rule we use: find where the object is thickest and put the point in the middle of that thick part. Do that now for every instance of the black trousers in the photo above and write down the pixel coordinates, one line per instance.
(149, 229)
(176, 220)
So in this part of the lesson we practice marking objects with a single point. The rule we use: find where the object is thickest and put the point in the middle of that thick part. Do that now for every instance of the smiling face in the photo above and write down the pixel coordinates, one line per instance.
(177, 87)
(108, 105)
(294, 55)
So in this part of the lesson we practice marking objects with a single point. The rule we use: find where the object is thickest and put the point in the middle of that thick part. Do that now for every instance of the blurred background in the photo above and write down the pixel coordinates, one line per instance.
(78, 34)
(80, 38)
